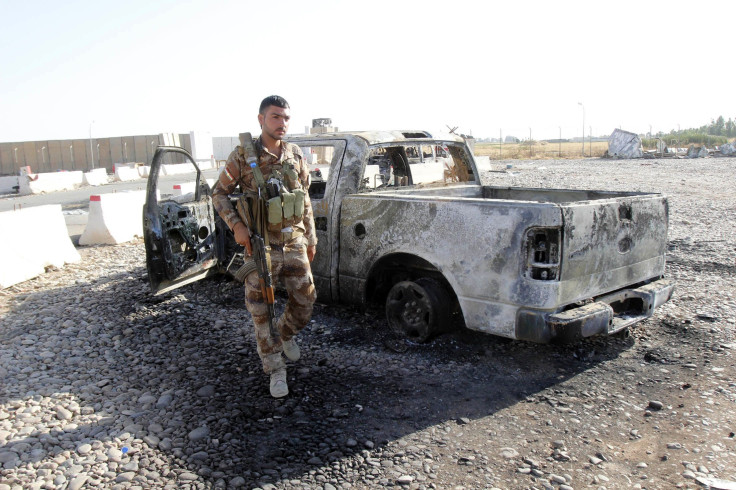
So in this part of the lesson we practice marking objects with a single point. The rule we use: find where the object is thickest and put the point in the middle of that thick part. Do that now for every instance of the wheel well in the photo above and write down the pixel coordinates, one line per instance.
(401, 267)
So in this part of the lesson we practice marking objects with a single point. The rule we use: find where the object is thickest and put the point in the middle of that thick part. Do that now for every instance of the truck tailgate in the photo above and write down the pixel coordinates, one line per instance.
(611, 243)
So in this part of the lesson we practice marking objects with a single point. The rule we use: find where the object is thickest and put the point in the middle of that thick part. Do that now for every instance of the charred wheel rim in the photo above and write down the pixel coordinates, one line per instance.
(416, 310)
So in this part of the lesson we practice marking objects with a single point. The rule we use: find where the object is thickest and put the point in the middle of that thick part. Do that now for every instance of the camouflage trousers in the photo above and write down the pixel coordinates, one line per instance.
(289, 266)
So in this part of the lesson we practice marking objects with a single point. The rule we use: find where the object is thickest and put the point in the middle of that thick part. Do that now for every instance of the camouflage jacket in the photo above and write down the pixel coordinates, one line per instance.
(237, 173)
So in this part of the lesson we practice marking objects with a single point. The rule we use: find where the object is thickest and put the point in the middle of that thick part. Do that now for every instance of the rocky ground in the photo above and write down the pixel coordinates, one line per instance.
(104, 386)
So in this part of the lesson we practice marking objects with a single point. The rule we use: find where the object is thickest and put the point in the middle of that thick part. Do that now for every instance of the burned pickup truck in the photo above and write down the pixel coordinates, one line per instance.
(403, 220)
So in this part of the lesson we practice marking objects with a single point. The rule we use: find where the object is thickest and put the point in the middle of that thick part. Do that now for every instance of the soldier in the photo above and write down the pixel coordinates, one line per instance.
(292, 238)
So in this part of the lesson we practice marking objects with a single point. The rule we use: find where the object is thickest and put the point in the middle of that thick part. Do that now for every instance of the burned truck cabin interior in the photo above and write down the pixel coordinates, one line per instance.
(416, 163)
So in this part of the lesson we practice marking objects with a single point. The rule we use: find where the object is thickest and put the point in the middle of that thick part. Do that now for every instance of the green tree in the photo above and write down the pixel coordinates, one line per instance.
(730, 128)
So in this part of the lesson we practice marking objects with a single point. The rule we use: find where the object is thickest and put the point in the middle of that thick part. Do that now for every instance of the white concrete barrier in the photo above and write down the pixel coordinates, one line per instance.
(177, 169)
(206, 164)
(125, 172)
(114, 218)
(97, 176)
(8, 184)
(189, 187)
(144, 171)
(34, 238)
(48, 182)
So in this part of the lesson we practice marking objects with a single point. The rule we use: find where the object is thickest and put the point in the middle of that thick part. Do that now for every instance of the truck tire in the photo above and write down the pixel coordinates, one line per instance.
(417, 310)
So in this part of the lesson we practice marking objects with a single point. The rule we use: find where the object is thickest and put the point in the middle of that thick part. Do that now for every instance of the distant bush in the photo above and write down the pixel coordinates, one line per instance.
(686, 138)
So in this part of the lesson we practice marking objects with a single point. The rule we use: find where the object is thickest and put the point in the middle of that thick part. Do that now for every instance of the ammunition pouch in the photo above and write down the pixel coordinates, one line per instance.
(286, 209)
(282, 202)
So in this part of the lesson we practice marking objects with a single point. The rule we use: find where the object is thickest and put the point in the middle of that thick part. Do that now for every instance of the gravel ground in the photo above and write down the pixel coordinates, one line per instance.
(104, 386)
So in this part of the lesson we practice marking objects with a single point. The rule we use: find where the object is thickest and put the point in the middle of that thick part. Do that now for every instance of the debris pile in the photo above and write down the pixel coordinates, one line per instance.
(697, 152)
(623, 144)
(728, 149)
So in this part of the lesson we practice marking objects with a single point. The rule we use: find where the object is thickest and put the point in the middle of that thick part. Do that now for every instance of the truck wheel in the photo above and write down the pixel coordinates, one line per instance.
(418, 309)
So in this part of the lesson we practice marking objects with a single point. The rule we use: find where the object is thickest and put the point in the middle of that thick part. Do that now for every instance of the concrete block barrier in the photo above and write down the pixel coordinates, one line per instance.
(29, 183)
(35, 238)
(124, 172)
(188, 187)
(8, 185)
(177, 169)
(144, 171)
(97, 176)
(207, 163)
(114, 218)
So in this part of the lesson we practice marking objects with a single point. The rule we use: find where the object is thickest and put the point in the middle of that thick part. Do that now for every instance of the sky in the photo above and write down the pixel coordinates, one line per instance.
(68, 69)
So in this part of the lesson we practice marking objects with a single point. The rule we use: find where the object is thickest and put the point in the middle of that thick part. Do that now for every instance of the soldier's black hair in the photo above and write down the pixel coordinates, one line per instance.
(273, 100)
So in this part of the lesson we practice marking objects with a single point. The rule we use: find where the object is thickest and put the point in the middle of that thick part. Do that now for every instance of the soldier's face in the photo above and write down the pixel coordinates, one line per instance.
(275, 122)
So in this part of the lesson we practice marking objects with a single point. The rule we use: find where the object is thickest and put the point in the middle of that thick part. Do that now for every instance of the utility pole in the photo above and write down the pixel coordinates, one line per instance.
(581, 105)
(91, 153)
(500, 144)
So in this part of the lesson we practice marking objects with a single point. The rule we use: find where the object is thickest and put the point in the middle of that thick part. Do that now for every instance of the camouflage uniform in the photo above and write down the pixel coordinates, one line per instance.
(289, 261)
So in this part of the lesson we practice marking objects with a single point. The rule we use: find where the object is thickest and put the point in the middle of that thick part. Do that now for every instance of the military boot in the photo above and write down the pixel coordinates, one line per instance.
(278, 387)
(291, 350)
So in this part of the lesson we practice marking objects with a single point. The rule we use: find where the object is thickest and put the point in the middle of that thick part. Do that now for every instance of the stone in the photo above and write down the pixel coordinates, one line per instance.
(78, 481)
(164, 400)
(8, 457)
(509, 453)
(207, 391)
(125, 477)
(63, 414)
(199, 433)
(237, 482)
(655, 405)
(84, 449)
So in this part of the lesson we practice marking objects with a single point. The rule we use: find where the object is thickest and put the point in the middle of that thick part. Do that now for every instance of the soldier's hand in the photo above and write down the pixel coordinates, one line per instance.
(242, 236)
(311, 251)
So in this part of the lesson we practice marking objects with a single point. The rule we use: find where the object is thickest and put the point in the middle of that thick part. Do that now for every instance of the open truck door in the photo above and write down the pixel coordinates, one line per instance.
(183, 243)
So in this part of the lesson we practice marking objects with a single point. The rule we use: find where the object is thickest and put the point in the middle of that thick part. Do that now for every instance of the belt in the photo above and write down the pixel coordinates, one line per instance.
(284, 237)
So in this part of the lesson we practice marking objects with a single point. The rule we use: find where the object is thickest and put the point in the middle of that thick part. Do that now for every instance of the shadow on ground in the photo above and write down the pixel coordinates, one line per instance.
(347, 389)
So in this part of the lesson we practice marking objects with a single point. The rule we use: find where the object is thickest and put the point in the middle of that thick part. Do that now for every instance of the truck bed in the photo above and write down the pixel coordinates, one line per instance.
(506, 249)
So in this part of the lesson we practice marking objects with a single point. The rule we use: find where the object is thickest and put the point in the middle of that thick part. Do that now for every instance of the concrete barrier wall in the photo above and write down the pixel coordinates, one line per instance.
(223, 146)
(125, 172)
(114, 218)
(85, 154)
(201, 143)
(8, 185)
(49, 182)
(97, 176)
(35, 238)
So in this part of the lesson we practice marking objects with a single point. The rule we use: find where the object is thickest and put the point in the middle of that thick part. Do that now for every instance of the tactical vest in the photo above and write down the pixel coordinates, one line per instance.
(283, 194)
